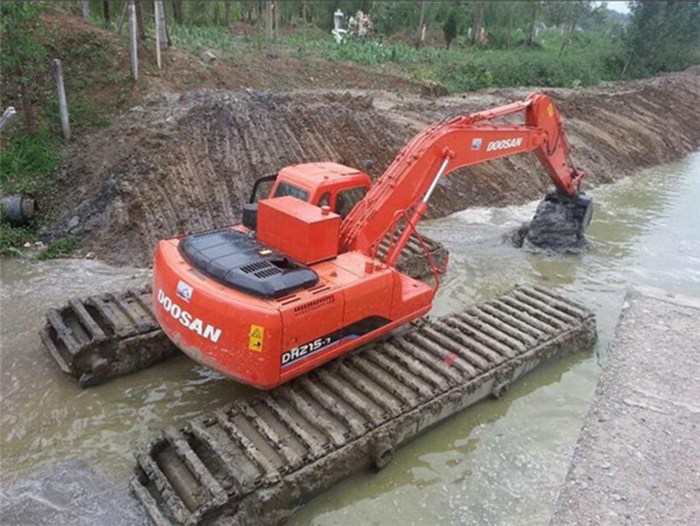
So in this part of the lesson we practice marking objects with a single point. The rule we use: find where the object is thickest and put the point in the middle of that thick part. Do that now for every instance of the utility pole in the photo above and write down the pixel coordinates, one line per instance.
(133, 43)
(269, 20)
(62, 101)
(157, 8)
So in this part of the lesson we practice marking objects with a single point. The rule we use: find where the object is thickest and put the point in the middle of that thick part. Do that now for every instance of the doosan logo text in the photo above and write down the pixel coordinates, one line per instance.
(504, 144)
(185, 318)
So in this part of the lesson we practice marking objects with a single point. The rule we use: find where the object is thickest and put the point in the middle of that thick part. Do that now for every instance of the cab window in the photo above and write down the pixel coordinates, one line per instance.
(347, 199)
(325, 200)
(284, 189)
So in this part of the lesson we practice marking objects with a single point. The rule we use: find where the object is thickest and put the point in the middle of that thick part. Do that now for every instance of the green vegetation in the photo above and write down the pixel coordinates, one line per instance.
(27, 161)
(470, 45)
(663, 36)
(59, 248)
(29, 151)
(31, 145)
(12, 239)
(587, 63)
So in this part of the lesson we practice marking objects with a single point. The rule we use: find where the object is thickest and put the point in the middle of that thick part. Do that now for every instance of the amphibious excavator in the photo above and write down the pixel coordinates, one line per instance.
(311, 273)
(326, 262)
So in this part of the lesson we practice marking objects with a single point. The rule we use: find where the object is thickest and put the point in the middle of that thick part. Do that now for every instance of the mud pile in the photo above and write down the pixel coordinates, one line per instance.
(186, 162)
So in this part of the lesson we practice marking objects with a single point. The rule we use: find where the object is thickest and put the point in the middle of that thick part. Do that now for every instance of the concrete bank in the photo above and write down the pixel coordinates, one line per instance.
(637, 460)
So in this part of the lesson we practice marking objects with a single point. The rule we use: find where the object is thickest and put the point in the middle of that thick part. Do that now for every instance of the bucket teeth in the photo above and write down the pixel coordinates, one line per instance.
(259, 456)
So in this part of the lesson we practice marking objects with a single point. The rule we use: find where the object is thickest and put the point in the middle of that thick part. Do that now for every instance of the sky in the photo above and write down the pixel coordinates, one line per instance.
(620, 7)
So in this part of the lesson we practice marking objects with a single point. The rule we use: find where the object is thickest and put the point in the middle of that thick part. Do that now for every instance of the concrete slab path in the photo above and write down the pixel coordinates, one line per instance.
(637, 460)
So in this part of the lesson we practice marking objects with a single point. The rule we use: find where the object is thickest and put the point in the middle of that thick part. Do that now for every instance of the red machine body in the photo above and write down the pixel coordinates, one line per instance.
(306, 233)
(265, 306)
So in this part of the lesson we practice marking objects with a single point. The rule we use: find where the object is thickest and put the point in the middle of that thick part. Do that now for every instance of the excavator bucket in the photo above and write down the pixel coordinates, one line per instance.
(559, 224)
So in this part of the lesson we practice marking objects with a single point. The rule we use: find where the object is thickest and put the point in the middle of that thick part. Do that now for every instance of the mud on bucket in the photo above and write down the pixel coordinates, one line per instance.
(558, 226)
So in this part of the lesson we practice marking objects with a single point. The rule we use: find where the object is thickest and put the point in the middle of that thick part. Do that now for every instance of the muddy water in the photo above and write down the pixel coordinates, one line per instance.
(498, 463)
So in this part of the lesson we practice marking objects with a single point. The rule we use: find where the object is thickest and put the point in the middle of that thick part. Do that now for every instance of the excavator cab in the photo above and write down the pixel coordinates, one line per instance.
(333, 185)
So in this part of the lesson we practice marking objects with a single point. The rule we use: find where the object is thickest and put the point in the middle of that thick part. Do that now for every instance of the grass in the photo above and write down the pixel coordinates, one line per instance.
(13, 238)
(590, 59)
(200, 38)
(28, 162)
(59, 248)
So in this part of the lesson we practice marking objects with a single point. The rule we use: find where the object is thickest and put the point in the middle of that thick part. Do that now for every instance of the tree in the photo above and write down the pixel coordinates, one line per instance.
(573, 12)
(509, 29)
(478, 23)
(534, 10)
(177, 11)
(450, 27)
(141, 28)
(663, 36)
(421, 23)
(106, 13)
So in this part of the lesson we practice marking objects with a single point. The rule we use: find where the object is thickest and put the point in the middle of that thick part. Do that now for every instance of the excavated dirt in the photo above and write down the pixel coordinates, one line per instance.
(183, 162)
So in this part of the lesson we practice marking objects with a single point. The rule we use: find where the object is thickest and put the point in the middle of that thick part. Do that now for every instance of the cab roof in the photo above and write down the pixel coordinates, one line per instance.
(318, 174)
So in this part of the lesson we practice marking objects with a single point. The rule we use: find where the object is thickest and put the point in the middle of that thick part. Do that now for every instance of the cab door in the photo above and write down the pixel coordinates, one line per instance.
(345, 200)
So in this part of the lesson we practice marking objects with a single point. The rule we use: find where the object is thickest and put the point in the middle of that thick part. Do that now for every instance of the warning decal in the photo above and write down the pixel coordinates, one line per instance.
(255, 338)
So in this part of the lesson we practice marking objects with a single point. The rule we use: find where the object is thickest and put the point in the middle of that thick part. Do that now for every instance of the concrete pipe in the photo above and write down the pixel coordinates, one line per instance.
(17, 210)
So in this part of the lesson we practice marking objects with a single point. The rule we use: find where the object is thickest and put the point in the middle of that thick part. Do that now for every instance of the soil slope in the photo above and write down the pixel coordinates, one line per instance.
(186, 162)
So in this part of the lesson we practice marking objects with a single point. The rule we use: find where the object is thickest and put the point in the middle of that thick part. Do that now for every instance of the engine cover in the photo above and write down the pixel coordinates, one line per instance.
(239, 261)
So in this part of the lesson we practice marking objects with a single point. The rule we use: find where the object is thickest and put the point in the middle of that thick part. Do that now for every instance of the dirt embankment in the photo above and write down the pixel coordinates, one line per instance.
(614, 130)
(186, 162)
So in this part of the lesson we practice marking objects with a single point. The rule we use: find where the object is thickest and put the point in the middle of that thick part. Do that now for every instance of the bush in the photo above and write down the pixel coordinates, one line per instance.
(590, 59)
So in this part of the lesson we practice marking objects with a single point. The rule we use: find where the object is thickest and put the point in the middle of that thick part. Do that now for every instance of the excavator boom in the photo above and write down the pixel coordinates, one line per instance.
(463, 141)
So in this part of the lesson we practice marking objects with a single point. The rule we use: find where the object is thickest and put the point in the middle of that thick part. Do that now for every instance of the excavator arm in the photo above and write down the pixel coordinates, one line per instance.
(403, 191)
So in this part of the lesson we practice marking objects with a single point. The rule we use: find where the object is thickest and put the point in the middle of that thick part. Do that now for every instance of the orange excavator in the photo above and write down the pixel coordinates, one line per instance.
(303, 280)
